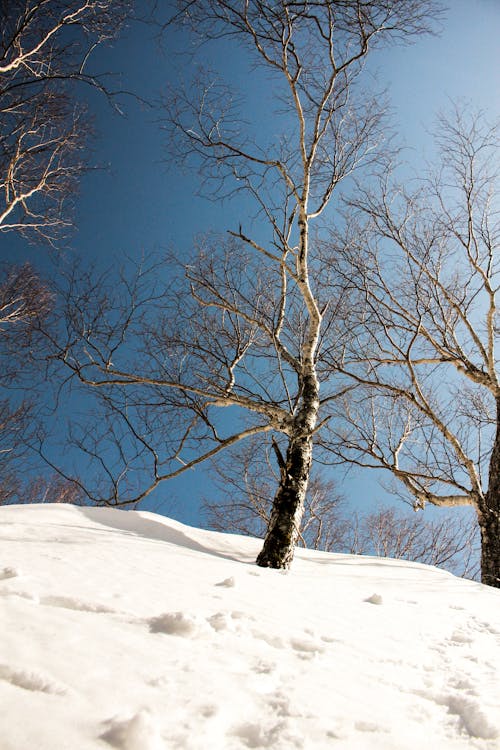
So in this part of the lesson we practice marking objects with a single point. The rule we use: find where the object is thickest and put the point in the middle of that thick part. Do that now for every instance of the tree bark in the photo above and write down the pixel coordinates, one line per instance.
(489, 517)
(288, 505)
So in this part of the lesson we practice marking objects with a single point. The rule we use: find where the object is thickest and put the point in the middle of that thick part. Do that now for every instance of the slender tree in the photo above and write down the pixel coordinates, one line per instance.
(235, 350)
(424, 271)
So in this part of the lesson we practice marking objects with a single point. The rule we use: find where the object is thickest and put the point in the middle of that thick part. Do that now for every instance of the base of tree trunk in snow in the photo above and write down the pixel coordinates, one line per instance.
(278, 550)
(288, 507)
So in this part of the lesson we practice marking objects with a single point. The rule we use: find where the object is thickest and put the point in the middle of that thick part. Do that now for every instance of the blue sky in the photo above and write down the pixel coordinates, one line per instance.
(139, 202)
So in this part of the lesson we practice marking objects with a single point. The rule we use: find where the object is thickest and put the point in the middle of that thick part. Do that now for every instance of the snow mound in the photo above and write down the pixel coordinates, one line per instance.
(127, 630)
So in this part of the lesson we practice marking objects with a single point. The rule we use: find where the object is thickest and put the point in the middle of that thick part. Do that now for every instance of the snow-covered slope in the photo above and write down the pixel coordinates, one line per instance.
(128, 630)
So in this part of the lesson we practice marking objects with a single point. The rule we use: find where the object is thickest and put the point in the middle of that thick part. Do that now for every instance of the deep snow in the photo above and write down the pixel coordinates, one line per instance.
(129, 630)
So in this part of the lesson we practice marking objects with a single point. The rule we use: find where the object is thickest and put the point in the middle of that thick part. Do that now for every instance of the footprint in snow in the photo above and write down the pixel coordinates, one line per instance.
(192, 626)
(68, 602)
(6, 573)
(275, 724)
(227, 583)
(138, 732)
(33, 681)
(275, 641)
(21, 595)
(222, 621)
(369, 726)
(264, 667)
(471, 718)
(175, 623)
(460, 637)
(253, 734)
(483, 627)
(374, 599)
(463, 705)
(306, 648)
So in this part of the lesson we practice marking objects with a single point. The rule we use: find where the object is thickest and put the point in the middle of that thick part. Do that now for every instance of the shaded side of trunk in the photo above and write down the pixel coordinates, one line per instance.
(489, 517)
(489, 525)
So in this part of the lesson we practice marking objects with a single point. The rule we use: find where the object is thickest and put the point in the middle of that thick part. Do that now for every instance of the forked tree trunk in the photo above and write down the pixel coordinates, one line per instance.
(489, 517)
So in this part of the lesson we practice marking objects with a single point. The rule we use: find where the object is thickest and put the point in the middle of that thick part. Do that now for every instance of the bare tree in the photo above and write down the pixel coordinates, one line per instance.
(245, 478)
(45, 47)
(424, 328)
(24, 303)
(24, 299)
(39, 489)
(236, 348)
(450, 542)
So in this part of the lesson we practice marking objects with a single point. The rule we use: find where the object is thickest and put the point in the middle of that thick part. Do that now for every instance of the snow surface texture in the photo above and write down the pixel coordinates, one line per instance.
(128, 630)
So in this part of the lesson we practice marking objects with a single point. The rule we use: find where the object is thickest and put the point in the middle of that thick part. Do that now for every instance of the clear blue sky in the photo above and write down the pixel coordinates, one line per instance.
(140, 203)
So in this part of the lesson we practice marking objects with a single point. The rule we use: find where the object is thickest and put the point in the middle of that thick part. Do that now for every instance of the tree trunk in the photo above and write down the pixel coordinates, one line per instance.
(489, 517)
(288, 505)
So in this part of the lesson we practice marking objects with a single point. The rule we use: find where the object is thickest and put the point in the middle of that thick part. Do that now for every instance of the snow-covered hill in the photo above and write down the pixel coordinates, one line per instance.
(128, 630)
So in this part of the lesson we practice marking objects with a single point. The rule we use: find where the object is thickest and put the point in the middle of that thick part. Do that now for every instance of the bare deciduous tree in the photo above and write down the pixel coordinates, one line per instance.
(424, 328)
(245, 479)
(40, 489)
(237, 350)
(24, 299)
(44, 48)
(24, 303)
(450, 542)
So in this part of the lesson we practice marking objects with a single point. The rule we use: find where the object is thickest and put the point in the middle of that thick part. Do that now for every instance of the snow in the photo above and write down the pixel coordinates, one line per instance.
(128, 630)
